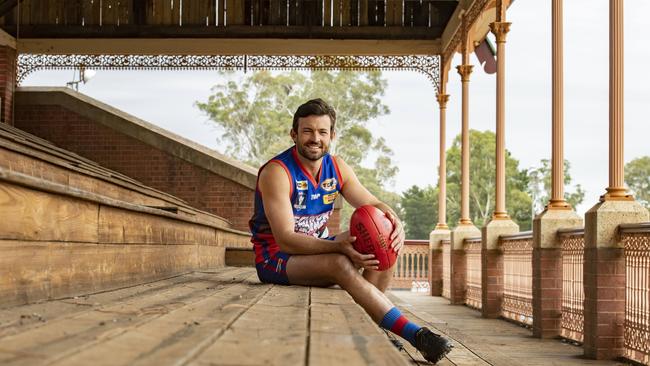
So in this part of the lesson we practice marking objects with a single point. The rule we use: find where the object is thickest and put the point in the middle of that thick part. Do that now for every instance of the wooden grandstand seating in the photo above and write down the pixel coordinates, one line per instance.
(69, 226)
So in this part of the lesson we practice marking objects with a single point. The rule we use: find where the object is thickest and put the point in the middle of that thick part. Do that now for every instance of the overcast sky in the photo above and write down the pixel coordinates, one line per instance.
(166, 98)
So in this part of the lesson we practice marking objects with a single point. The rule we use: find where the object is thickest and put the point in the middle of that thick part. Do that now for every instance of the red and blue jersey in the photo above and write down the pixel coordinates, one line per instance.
(312, 201)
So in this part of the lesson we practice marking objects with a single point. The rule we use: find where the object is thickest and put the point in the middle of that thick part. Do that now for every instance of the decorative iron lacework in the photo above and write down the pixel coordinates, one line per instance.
(637, 294)
(573, 295)
(427, 65)
(473, 13)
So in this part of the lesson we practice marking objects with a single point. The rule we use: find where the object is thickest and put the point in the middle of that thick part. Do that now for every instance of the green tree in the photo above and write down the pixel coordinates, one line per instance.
(540, 184)
(482, 182)
(255, 113)
(419, 211)
(637, 178)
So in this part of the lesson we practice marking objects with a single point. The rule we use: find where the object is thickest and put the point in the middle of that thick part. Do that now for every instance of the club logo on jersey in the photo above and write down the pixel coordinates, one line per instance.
(301, 185)
(315, 196)
(300, 201)
(311, 224)
(329, 198)
(329, 184)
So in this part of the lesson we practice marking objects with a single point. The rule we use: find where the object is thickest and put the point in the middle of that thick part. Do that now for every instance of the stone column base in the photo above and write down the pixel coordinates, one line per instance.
(458, 261)
(435, 260)
(492, 265)
(547, 270)
(604, 277)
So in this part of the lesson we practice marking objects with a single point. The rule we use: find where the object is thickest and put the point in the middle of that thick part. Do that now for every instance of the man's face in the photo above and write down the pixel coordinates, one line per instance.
(313, 136)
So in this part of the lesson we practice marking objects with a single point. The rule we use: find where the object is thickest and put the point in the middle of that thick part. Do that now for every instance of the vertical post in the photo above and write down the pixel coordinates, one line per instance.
(616, 189)
(500, 29)
(604, 272)
(500, 224)
(442, 169)
(547, 247)
(8, 62)
(465, 228)
(557, 161)
(441, 232)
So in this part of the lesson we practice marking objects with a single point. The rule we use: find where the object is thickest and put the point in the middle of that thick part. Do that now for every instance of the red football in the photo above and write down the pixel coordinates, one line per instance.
(372, 229)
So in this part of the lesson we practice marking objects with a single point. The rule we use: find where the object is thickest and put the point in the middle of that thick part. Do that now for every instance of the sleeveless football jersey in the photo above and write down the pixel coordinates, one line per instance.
(312, 201)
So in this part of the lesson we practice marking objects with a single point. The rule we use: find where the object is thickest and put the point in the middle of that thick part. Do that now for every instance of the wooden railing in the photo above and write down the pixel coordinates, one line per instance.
(473, 268)
(517, 252)
(573, 292)
(412, 267)
(446, 268)
(636, 241)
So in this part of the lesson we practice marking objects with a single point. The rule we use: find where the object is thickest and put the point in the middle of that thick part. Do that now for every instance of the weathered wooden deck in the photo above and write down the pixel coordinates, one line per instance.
(227, 317)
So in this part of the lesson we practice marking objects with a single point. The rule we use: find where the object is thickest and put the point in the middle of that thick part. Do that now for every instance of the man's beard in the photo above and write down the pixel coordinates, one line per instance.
(311, 155)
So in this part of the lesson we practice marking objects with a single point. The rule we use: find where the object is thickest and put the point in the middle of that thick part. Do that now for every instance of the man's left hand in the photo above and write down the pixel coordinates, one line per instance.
(397, 235)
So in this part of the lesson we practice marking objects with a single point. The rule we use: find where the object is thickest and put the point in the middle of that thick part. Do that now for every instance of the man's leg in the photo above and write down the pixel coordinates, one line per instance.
(337, 269)
(381, 279)
(329, 269)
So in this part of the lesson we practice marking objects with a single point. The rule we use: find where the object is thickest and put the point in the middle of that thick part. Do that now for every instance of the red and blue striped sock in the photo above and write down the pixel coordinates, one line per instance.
(398, 324)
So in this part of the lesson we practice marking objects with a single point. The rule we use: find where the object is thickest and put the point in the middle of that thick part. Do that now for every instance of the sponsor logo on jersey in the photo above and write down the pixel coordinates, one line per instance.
(315, 196)
(329, 198)
(300, 201)
(329, 184)
(311, 224)
(301, 185)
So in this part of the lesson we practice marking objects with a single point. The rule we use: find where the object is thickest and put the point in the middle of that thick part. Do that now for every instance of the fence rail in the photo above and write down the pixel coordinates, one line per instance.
(636, 241)
(473, 277)
(412, 267)
(573, 293)
(517, 302)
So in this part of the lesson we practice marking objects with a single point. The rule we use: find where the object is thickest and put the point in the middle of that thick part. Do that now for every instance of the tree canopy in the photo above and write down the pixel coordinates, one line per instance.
(522, 185)
(637, 178)
(540, 185)
(482, 182)
(255, 113)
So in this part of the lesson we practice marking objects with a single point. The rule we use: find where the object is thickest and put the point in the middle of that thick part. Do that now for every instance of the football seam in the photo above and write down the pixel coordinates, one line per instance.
(384, 253)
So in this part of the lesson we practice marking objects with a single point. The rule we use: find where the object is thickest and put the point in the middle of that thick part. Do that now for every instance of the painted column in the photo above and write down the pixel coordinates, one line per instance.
(465, 70)
(500, 30)
(500, 224)
(465, 228)
(547, 247)
(442, 170)
(604, 269)
(441, 232)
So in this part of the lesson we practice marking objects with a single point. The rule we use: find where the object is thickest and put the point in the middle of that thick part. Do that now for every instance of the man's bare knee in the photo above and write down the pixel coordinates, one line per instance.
(342, 267)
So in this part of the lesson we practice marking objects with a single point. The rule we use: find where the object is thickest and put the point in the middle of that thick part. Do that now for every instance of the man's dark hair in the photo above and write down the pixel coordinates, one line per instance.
(314, 107)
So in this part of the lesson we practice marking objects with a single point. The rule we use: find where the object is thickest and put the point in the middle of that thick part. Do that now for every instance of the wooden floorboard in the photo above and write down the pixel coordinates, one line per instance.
(14, 320)
(65, 336)
(343, 334)
(487, 341)
(273, 331)
(221, 317)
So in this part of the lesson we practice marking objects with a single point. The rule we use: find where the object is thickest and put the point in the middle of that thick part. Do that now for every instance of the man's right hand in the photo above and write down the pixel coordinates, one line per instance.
(345, 241)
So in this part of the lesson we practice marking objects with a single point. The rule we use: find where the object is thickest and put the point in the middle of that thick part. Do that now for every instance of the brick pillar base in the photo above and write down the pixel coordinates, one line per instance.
(435, 272)
(604, 277)
(491, 283)
(435, 260)
(547, 292)
(458, 287)
(547, 270)
(7, 83)
(492, 265)
(458, 262)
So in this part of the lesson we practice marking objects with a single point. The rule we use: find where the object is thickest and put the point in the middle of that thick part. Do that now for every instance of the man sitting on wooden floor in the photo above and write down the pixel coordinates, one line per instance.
(293, 202)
